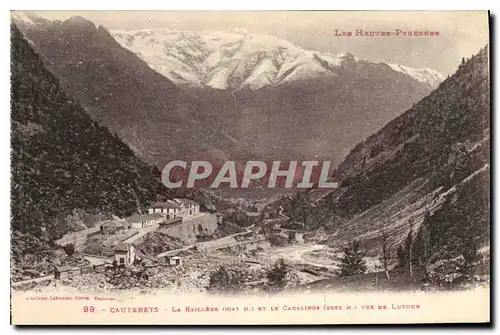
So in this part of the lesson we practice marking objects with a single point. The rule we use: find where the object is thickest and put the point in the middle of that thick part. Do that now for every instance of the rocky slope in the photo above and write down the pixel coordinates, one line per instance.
(238, 59)
(315, 118)
(118, 89)
(432, 161)
(63, 162)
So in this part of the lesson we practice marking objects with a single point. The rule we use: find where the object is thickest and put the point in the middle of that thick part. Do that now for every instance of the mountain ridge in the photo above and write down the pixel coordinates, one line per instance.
(232, 60)
(317, 118)
(427, 170)
(64, 165)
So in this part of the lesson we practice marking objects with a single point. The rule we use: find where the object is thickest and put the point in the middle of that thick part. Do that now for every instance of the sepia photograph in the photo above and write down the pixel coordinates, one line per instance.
(250, 167)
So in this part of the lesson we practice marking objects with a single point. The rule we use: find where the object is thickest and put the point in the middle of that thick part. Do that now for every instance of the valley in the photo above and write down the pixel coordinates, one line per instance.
(97, 113)
(317, 107)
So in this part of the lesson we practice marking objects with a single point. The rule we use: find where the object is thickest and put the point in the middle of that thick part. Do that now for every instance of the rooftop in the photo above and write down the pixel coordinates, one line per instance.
(144, 217)
(169, 253)
(63, 268)
(186, 201)
(123, 246)
(164, 204)
(113, 224)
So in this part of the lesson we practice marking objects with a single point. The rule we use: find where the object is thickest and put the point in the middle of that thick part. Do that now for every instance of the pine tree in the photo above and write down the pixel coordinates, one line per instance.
(301, 213)
(469, 247)
(384, 249)
(422, 244)
(401, 256)
(409, 246)
(352, 261)
(278, 272)
(226, 279)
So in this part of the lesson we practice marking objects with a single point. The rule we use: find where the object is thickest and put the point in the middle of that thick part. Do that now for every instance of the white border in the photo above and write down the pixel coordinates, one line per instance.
(189, 5)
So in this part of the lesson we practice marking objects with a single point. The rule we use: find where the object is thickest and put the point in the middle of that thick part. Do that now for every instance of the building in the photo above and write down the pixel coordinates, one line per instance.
(78, 238)
(138, 221)
(171, 257)
(124, 254)
(194, 207)
(112, 227)
(173, 208)
(171, 222)
(188, 207)
(63, 272)
(169, 209)
(174, 260)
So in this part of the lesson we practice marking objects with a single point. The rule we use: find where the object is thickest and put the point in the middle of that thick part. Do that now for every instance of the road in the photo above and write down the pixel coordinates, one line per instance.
(96, 260)
(235, 258)
(283, 215)
(141, 233)
(34, 280)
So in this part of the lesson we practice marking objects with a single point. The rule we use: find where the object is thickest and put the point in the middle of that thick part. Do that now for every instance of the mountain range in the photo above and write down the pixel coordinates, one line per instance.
(216, 104)
(85, 110)
(240, 60)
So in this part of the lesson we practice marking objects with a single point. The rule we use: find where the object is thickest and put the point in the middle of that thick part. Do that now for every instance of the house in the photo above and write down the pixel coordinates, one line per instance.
(63, 272)
(173, 260)
(188, 207)
(124, 254)
(193, 206)
(171, 222)
(137, 221)
(176, 260)
(171, 257)
(112, 227)
(169, 209)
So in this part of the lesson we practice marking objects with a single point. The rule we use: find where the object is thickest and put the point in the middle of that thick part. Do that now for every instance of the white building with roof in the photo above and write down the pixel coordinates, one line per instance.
(168, 209)
(137, 221)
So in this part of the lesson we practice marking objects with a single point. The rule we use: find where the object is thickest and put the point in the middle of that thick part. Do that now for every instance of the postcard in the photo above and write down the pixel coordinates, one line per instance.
(250, 167)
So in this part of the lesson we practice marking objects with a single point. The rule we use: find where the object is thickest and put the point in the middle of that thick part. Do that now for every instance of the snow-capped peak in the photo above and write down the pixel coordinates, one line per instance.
(20, 17)
(424, 75)
(237, 59)
(29, 20)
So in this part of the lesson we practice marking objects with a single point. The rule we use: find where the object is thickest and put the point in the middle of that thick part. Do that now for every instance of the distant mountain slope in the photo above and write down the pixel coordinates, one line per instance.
(432, 159)
(424, 75)
(319, 118)
(62, 162)
(238, 60)
(119, 90)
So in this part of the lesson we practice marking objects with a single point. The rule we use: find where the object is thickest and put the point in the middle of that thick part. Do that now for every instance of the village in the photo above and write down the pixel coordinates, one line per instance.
(181, 218)
(112, 253)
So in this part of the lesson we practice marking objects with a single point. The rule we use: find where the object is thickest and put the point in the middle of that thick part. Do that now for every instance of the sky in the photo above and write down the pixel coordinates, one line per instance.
(461, 33)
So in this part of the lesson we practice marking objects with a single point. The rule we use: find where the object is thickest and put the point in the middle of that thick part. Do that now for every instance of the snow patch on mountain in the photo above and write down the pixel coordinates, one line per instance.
(21, 18)
(237, 59)
(424, 75)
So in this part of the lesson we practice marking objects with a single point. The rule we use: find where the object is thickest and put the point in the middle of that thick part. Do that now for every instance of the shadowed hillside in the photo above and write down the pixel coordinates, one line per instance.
(63, 162)
(427, 172)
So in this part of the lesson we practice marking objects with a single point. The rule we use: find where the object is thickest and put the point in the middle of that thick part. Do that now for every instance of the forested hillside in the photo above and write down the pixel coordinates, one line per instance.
(422, 181)
(63, 163)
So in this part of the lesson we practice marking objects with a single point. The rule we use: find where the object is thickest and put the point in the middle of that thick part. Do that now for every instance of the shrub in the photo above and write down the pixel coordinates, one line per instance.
(352, 261)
